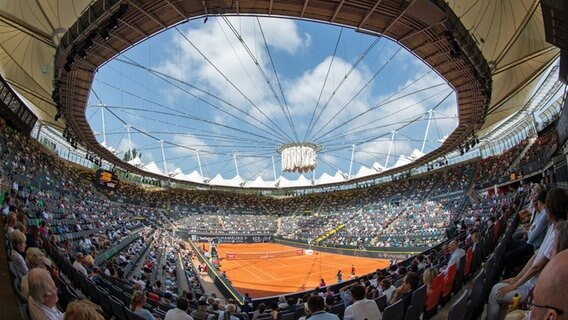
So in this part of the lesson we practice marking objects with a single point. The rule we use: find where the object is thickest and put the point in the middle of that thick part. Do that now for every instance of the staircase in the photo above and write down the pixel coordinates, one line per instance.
(522, 154)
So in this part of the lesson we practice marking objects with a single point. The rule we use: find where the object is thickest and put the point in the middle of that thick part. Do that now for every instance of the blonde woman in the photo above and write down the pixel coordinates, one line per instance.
(19, 244)
(83, 310)
(137, 305)
(428, 277)
(34, 259)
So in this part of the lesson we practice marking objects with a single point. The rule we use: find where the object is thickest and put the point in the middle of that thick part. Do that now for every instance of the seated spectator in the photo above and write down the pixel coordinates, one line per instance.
(229, 313)
(259, 311)
(316, 307)
(282, 304)
(34, 259)
(428, 278)
(518, 251)
(83, 310)
(504, 291)
(549, 296)
(18, 253)
(78, 264)
(387, 289)
(43, 298)
(455, 254)
(361, 308)
(201, 312)
(180, 312)
(562, 238)
(137, 305)
(404, 292)
(273, 311)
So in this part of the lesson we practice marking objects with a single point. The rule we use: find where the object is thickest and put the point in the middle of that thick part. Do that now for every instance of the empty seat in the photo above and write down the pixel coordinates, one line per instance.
(418, 301)
(118, 309)
(459, 307)
(394, 311)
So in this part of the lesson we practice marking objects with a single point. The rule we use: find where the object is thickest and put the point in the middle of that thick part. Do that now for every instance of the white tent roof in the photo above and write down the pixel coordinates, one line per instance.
(509, 33)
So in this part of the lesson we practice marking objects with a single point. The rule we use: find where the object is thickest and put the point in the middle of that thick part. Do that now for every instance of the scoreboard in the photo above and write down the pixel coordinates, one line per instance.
(106, 179)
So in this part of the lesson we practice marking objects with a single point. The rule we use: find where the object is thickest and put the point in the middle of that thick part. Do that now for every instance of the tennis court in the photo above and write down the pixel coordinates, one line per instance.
(267, 274)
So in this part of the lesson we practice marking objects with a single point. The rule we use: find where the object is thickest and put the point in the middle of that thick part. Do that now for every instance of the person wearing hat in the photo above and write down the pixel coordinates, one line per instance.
(34, 259)
(201, 312)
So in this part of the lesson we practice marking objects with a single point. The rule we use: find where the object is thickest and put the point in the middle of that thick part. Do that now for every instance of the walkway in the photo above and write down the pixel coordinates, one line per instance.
(8, 303)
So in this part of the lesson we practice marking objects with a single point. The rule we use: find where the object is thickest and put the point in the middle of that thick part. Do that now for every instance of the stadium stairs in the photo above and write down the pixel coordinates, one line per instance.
(522, 154)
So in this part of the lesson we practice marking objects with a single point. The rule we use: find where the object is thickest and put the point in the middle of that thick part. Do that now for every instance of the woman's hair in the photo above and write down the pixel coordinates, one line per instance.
(138, 298)
(412, 279)
(281, 299)
(556, 203)
(261, 308)
(386, 283)
(562, 237)
(83, 310)
(428, 277)
(18, 237)
(35, 258)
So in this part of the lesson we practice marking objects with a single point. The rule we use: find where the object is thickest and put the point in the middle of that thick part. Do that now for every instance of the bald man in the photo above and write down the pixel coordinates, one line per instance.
(549, 301)
(456, 254)
(43, 296)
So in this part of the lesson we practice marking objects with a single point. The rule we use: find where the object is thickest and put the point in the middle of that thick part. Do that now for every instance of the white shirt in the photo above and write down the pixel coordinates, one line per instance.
(39, 311)
(544, 251)
(177, 314)
(363, 309)
(77, 265)
(388, 292)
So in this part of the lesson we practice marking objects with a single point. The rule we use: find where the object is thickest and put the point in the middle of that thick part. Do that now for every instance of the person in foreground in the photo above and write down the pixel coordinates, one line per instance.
(549, 298)
(83, 310)
(502, 292)
(316, 306)
(43, 296)
(361, 308)
(180, 312)
(137, 305)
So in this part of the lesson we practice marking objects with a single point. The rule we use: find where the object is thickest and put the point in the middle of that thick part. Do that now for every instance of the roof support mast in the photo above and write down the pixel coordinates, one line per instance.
(390, 148)
(164, 157)
(199, 163)
(351, 162)
(427, 129)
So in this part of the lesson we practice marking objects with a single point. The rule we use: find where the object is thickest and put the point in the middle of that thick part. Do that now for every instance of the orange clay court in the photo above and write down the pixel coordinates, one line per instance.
(268, 275)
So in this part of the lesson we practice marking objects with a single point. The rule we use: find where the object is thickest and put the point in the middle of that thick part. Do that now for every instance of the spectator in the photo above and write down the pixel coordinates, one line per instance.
(316, 306)
(83, 310)
(549, 297)
(282, 303)
(428, 278)
(78, 264)
(180, 312)
(259, 311)
(201, 312)
(274, 311)
(137, 305)
(18, 254)
(387, 289)
(43, 298)
(502, 292)
(361, 308)
(404, 292)
(229, 313)
(455, 254)
(34, 259)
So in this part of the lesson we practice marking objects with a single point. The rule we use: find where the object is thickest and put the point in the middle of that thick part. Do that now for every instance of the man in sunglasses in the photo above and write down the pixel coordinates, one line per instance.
(551, 291)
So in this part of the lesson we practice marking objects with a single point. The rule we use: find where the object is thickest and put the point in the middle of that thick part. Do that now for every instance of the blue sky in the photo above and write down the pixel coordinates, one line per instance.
(198, 87)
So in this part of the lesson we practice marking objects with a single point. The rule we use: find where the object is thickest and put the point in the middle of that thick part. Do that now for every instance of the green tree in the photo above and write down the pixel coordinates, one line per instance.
(131, 154)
